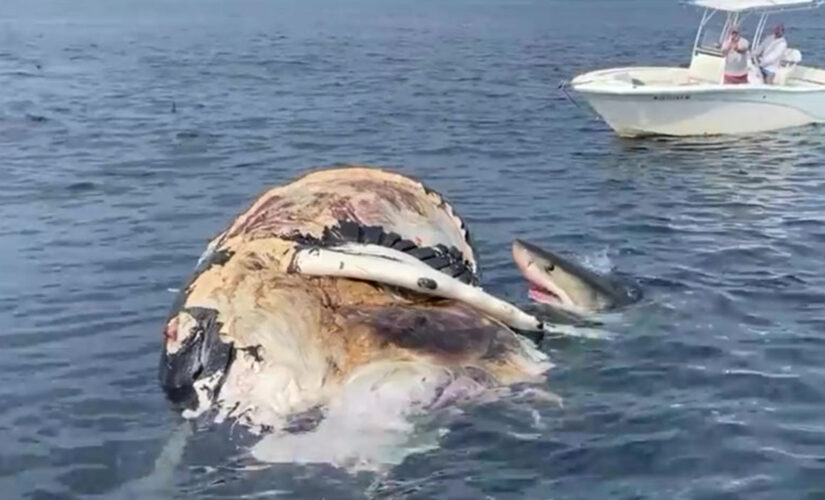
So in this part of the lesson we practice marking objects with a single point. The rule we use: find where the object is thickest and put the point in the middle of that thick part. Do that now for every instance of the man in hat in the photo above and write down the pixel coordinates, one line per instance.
(770, 51)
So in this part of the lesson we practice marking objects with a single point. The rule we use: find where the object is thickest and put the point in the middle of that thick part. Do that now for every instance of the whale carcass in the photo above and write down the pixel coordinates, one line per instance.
(344, 290)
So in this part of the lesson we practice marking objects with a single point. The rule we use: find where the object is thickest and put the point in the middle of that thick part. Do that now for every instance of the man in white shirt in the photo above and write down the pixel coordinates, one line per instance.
(770, 52)
(735, 50)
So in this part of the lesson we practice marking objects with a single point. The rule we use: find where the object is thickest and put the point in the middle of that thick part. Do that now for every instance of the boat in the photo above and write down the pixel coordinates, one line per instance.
(693, 100)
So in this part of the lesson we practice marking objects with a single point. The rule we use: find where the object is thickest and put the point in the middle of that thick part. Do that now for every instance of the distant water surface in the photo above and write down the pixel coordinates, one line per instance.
(133, 131)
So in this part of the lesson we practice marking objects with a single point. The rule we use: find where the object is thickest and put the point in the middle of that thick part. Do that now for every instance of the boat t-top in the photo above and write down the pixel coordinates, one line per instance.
(679, 101)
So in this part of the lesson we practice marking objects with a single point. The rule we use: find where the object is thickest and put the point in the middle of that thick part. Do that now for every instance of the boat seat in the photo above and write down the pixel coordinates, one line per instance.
(706, 67)
(790, 59)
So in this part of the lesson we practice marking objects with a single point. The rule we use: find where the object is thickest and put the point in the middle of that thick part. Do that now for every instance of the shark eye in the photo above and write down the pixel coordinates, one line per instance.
(550, 268)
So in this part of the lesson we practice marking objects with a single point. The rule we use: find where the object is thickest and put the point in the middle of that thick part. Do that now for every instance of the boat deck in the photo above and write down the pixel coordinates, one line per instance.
(801, 78)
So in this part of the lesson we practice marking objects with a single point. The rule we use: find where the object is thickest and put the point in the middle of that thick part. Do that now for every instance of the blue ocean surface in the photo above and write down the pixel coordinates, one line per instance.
(132, 131)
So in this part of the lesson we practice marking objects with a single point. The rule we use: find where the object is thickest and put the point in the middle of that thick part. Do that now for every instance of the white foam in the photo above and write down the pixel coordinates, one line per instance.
(578, 331)
(598, 262)
(160, 483)
(369, 424)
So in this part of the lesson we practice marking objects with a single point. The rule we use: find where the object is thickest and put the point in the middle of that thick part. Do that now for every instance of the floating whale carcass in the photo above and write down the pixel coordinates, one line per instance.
(345, 296)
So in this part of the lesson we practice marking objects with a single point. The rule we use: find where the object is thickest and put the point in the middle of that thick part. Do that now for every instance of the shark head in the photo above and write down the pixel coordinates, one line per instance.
(562, 283)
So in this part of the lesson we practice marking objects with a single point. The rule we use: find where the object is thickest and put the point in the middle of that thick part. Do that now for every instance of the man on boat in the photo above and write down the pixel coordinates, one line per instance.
(735, 50)
(770, 51)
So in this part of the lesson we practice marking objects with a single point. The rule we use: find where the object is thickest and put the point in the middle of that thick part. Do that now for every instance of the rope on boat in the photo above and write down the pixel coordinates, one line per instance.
(563, 87)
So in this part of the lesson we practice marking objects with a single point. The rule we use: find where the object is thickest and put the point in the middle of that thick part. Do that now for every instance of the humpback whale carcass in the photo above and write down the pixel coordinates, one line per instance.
(345, 291)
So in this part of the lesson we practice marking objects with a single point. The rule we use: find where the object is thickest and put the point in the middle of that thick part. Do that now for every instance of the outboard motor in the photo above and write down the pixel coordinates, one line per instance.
(790, 59)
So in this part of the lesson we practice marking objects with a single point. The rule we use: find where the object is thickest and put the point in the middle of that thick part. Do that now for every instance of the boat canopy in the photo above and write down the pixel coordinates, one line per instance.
(737, 10)
(745, 5)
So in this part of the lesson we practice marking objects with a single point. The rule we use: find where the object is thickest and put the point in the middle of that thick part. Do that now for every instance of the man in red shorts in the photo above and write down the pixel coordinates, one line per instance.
(735, 50)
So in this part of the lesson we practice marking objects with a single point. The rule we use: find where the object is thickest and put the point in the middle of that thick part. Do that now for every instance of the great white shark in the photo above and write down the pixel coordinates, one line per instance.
(562, 283)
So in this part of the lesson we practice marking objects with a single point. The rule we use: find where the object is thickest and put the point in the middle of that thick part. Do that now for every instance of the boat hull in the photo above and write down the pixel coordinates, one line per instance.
(724, 111)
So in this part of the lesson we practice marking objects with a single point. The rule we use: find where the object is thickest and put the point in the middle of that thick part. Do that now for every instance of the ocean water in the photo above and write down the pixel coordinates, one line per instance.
(133, 131)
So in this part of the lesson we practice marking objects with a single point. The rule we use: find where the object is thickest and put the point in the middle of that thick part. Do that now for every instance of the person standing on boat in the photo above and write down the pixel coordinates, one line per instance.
(770, 52)
(735, 50)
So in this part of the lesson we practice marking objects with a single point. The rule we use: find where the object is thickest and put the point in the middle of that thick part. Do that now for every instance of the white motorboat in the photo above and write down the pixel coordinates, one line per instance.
(693, 100)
